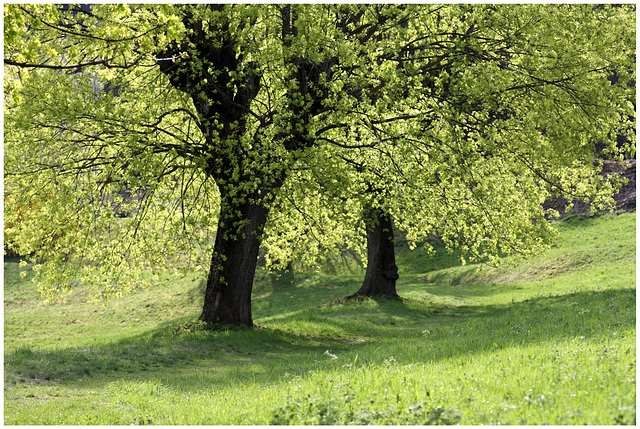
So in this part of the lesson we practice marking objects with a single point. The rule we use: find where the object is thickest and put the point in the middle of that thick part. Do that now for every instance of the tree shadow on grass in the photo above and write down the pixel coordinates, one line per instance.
(160, 351)
(477, 328)
(260, 356)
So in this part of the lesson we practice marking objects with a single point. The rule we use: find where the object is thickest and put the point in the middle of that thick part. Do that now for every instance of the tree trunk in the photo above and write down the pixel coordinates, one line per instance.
(228, 294)
(382, 271)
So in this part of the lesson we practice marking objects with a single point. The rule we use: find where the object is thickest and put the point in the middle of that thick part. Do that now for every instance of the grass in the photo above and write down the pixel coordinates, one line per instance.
(550, 340)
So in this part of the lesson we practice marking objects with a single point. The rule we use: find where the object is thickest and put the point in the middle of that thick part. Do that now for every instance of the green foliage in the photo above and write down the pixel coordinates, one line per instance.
(471, 155)
(459, 120)
(521, 344)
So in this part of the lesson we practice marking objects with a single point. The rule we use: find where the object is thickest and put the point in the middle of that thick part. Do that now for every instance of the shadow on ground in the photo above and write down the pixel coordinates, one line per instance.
(254, 355)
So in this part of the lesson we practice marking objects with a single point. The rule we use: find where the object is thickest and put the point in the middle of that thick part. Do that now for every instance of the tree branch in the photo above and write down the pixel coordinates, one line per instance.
(61, 67)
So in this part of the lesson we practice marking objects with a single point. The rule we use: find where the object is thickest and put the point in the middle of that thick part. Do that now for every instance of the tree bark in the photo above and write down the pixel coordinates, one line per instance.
(382, 271)
(228, 294)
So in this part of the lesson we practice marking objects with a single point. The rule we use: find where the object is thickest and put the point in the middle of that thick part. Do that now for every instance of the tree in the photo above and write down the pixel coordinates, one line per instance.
(501, 107)
(212, 115)
(254, 81)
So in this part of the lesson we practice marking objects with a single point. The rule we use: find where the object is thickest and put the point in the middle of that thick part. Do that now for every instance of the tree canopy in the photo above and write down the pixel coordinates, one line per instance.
(151, 137)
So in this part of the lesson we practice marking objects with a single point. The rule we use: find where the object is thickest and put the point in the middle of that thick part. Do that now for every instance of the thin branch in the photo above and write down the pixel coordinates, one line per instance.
(346, 146)
(61, 67)
(90, 36)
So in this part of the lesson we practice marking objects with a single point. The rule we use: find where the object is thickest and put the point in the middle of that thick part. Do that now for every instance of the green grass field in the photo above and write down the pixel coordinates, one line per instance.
(549, 340)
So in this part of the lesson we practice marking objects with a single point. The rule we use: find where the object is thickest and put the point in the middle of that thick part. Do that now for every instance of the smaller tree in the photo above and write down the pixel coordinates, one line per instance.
(473, 126)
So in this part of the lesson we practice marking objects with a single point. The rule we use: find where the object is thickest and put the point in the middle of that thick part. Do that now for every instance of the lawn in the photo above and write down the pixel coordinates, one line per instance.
(550, 340)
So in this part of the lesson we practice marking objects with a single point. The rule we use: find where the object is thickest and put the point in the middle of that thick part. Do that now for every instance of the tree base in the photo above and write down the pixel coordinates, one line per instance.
(356, 297)
(200, 325)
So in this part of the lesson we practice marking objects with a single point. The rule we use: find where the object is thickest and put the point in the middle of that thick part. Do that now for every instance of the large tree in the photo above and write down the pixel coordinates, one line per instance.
(186, 110)
(203, 121)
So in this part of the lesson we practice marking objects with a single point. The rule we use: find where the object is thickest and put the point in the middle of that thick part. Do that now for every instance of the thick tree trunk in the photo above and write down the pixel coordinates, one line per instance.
(382, 271)
(228, 294)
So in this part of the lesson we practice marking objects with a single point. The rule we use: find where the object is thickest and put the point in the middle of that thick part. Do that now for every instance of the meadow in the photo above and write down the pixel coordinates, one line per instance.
(549, 340)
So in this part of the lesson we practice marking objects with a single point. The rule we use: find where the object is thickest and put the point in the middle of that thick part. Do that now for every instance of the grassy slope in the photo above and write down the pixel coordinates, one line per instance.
(550, 340)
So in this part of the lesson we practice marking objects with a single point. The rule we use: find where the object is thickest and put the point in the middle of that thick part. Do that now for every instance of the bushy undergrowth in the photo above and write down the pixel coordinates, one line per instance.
(546, 341)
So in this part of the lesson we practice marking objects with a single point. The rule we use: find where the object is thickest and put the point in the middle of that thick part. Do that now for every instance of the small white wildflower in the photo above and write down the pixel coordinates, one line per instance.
(331, 355)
